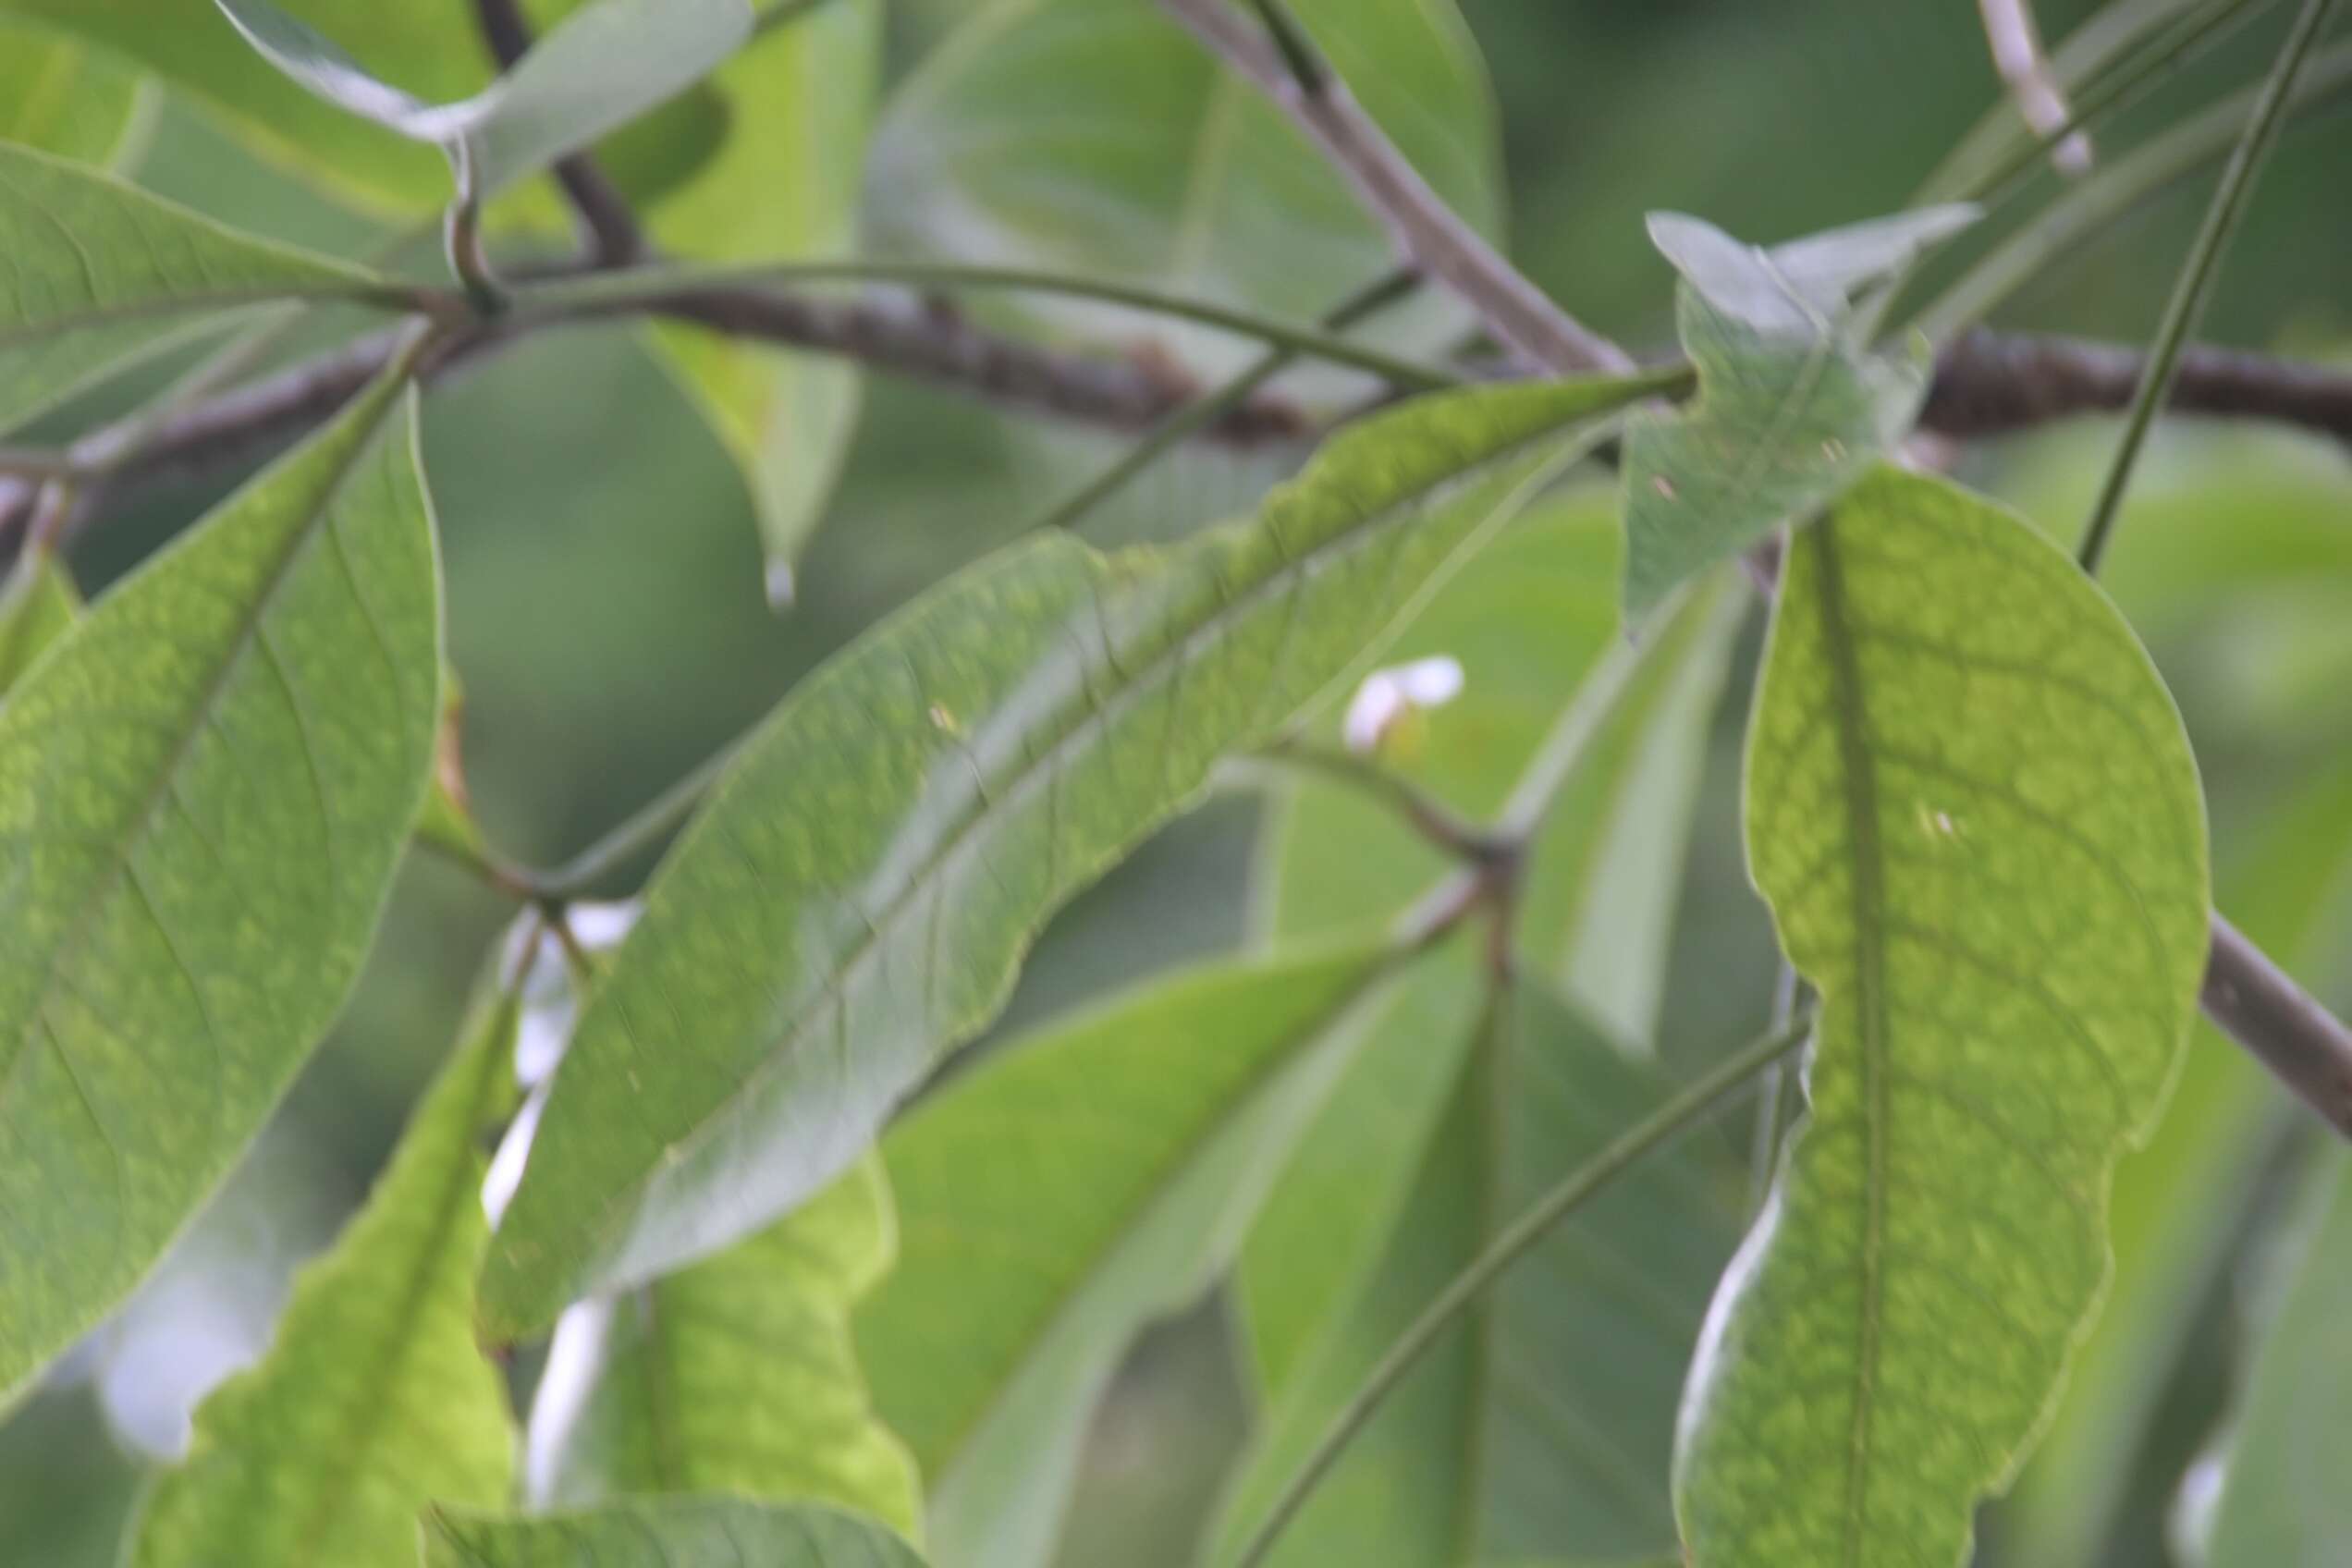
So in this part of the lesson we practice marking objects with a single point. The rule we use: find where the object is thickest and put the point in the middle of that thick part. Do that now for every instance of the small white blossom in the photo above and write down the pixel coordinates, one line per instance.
(1387, 695)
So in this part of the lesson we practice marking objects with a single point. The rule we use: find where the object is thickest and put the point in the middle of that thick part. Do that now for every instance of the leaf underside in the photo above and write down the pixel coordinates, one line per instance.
(819, 938)
(1973, 812)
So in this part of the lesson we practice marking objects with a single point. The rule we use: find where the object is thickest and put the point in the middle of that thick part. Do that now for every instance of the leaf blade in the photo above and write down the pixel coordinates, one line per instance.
(375, 1399)
(669, 1533)
(1099, 693)
(177, 924)
(2023, 1020)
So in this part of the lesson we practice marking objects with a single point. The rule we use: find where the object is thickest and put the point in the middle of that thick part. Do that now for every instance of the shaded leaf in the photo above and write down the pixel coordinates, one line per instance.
(1791, 409)
(1973, 812)
(669, 1533)
(100, 274)
(1070, 1190)
(37, 603)
(375, 1399)
(1543, 1422)
(62, 96)
(607, 62)
(1788, 292)
(2273, 1492)
(818, 939)
(735, 1376)
(204, 787)
(1096, 136)
(785, 186)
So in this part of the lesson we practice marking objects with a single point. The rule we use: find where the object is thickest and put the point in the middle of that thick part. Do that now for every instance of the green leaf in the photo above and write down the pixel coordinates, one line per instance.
(375, 1399)
(1544, 1420)
(605, 64)
(1096, 136)
(2181, 1204)
(785, 186)
(37, 603)
(1065, 1194)
(1974, 813)
(737, 1375)
(2273, 1493)
(821, 937)
(62, 96)
(670, 1533)
(1533, 621)
(1791, 409)
(204, 787)
(100, 274)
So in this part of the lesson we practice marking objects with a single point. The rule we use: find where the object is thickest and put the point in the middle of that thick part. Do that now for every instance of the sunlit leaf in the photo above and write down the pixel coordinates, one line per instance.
(1976, 819)
(820, 937)
(101, 273)
(2272, 1493)
(735, 1376)
(1790, 410)
(375, 1399)
(1068, 1191)
(38, 602)
(1096, 136)
(1532, 619)
(1544, 1421)
(2179, 1207)
(60, 95)
(784, 186)
(669, 1533)
(604, 65)
(204, 790)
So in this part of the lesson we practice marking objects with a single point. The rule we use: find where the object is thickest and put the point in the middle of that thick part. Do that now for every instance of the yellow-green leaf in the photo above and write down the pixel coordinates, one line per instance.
(204, 787)
(668, 1532)
(63, 97)
(819, 938)
(37, 603)
(99, 274)
(375, 1399)
(1975, 816)
(737, 1375)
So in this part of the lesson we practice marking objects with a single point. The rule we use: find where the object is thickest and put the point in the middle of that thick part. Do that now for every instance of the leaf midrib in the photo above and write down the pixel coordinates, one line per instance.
(1091, 712)
(1857, 779)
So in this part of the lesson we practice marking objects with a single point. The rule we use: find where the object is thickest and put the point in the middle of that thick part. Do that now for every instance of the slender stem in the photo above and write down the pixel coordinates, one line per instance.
(2256, 1003)
(461, 236)
(2203, 267)
(613, 238)
(1185, 422)
(1425, 815)
(2091, 205)
(36, 462)
(2041, 104)
(657, 290)
(1510, 1244)
(636, 835)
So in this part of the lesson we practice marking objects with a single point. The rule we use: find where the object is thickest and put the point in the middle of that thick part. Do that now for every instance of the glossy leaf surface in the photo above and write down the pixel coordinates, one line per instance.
(101, 273)
(1068, 1192)
(375, 1399)
(204, 790)
(819, 938)
(670, 1533)
(1972, 810)
(735, 1376)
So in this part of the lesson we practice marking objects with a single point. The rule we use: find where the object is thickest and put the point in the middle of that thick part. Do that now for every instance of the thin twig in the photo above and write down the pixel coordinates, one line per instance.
(2254, 1002)
(2017, 54)
(605, 222)
(2202, 269)
(1512, 1244)
(1987, 382)
(1204, 411)
(1426, 231)
(1425, 815)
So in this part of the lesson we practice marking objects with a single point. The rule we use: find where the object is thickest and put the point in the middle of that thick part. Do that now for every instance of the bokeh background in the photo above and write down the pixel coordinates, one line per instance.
(607, 618)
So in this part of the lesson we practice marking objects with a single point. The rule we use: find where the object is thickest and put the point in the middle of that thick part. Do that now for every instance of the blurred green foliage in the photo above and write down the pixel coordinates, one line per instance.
(607, 618)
